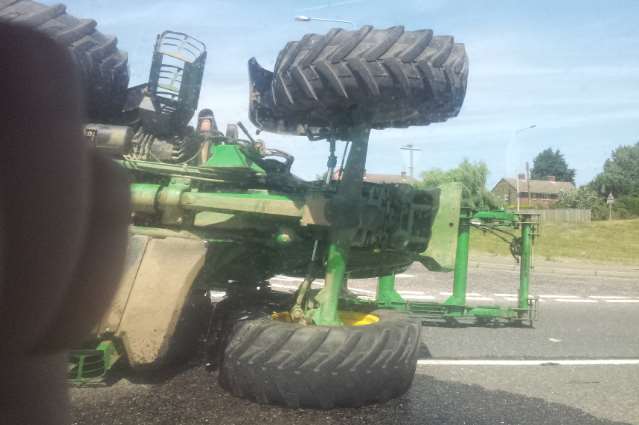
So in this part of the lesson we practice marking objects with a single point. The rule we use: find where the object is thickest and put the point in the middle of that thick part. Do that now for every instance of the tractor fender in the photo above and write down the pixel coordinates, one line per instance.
(152, 293)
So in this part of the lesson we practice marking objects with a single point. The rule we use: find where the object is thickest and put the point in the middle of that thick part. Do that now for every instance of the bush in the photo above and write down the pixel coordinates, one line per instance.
(599, 211)
(584, 198)
(626, 207)
(472, 176)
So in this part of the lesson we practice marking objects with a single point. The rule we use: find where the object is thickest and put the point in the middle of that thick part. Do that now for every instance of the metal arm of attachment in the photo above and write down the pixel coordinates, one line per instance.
(297, 311)
(350, 189)
(488, 220)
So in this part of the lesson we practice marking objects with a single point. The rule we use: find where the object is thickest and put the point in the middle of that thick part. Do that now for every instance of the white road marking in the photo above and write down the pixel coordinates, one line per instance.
(410, 292)
(558, 296)
(283, 278)
(280, 281)
(362, 291)
(554, 340)
(277, 285)
(366, 297)
(573, 300)
(622, 301)
(472, 298)
(549, 362)
(607, 297)
(419, 297)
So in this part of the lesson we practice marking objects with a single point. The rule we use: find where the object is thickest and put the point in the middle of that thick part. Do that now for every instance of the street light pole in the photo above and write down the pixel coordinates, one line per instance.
(302, 18)
(515, 133)
(409, 147)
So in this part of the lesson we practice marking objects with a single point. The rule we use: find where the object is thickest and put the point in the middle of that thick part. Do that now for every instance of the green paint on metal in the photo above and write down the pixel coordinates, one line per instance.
(261, 203)
(328, 297)
(524, 264)
(150, 198)
(87, 366)
(440, 254)
(283, 238)
(491, 312)
(255, 194)
(170, 198)
(496, 215)
(231, 156)
(341, 234)
(212, 218)
(387, 296)
(460, 278)
(455, 306)
(143, 197)
(204, 174)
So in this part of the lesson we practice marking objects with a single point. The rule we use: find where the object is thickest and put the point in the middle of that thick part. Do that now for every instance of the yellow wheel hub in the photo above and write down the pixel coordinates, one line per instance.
(354, 318)
(349, 318)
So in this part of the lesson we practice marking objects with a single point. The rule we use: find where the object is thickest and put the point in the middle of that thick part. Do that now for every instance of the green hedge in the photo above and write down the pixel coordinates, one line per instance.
(626, 207)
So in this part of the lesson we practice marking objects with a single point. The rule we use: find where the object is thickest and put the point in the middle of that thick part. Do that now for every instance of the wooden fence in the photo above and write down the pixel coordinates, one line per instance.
(563, 215)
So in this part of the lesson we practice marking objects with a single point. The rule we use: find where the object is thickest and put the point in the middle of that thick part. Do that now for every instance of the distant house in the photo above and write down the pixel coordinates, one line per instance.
(542, 193)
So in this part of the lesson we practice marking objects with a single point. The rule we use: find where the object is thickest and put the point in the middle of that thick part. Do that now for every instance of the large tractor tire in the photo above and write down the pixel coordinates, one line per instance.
(102, 67)
(278, 362)
(386, 77)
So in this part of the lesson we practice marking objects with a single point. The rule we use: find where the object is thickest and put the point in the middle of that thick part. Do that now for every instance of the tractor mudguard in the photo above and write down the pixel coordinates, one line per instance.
(152, 293)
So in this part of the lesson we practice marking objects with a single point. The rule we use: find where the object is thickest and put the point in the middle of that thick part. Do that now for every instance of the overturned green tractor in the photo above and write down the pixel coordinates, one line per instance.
(215, 211)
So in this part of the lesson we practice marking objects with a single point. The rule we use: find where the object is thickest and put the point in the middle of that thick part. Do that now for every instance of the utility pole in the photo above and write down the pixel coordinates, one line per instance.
(409, 147)
(528, 182)
(517, 189)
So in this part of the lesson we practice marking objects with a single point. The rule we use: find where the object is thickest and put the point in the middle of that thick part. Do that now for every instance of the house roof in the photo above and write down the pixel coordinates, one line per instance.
(389, 178)
(539, 186)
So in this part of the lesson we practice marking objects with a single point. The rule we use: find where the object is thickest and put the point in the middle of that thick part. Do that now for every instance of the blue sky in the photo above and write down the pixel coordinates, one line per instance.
(571, 68)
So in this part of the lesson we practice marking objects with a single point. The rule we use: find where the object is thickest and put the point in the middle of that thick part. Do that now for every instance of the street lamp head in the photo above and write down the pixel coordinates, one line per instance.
(525, 128)
(302, 18)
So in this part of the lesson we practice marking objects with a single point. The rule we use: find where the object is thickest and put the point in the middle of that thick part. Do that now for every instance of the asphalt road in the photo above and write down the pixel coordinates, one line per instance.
(583, 316)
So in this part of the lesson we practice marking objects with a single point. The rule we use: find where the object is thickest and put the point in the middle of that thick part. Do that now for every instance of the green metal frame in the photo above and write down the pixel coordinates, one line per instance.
(387, 296)
(455, 306)
(90, 366)
(231, 156)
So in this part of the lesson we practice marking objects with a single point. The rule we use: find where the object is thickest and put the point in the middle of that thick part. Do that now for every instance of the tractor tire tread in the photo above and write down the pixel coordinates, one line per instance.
(101, 65)
(322, 367)
(384, 70)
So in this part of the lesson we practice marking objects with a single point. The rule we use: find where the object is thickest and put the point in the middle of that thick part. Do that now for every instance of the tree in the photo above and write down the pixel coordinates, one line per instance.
(620, 174)
(584, 198)
(472, 176)
(620, 177)
(549, 163)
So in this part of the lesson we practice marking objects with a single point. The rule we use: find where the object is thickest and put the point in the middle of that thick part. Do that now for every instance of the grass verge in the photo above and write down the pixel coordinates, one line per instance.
(615, 241)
